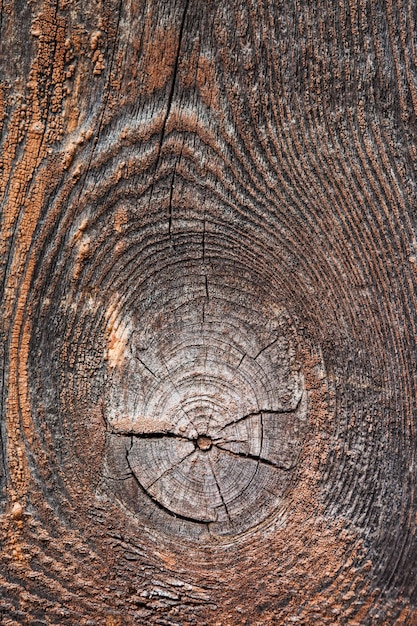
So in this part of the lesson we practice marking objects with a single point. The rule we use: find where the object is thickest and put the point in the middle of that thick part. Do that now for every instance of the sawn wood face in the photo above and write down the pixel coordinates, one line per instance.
(208, 330)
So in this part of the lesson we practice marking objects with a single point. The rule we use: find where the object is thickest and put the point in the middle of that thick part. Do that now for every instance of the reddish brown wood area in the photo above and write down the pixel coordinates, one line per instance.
(208, 253)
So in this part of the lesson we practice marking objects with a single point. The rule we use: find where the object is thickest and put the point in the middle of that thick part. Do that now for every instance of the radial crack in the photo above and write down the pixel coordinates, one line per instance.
(220, 491)
(217, 442)
(266, 348)
(167, 510)
(169, 470)
(146, 367)
(154, 435)
(254, 457)
(264, 412)
(161, 506)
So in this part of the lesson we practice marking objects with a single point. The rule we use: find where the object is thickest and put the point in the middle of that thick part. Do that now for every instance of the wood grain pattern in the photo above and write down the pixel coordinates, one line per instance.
(208, 253)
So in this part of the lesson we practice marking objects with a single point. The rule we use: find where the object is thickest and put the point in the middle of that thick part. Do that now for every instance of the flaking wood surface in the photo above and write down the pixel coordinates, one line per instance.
(208, 252)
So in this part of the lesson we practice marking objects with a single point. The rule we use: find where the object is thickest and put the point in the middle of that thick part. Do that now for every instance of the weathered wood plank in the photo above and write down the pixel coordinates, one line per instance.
(208, 324)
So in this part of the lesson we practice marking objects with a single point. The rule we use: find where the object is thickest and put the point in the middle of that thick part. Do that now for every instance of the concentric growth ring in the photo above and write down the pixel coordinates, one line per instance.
(211, 407)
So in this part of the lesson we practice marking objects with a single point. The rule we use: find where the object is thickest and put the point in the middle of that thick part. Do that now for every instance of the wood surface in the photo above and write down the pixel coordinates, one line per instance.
(208, 258)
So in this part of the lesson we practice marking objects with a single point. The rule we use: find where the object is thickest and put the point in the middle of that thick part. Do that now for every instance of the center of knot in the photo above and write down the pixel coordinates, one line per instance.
(204, 442)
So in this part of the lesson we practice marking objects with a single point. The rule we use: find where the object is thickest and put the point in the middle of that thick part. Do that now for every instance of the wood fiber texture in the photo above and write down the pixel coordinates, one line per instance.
(208, 257)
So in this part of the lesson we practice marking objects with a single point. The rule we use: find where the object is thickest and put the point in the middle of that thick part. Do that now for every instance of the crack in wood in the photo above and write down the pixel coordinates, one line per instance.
(266, 348)
(161, 506)
(264, 412)
(153, 435)
(166, 117)
(146, 367)
(118, 478)
(220, 491)
(254, 457)
(169, 470)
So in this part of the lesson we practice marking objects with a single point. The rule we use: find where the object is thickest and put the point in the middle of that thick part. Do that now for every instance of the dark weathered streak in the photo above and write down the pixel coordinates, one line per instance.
(208, 258)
